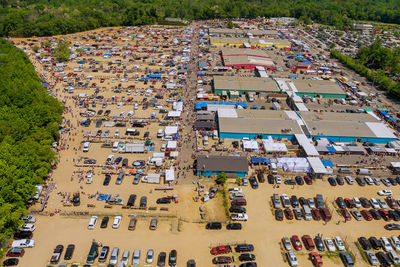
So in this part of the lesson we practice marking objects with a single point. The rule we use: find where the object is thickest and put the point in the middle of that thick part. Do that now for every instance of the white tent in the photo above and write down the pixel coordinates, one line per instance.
(153, 178)
(270, 146)
(169, 175)
(171, 130)
(132, 148)
(174, 114)
(293, 164)
(171, 145)
(250, 145)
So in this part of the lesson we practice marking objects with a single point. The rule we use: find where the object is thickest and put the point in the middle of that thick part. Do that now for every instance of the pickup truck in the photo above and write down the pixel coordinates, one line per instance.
(239, 217)
(55, 257)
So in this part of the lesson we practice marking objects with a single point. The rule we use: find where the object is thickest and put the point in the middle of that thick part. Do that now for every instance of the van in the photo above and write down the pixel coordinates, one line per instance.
(345, 170)
(160, 133)
(273, 168)
(86, 146)
(215, 135)
(115, 146)
(307, 213)
(167, 138)
(120, 178)
(326, 214)
(364, 172)
(131, 200)
(239, 202)
(92, 222)
(93, 253)
(114, 256)
(205, 140)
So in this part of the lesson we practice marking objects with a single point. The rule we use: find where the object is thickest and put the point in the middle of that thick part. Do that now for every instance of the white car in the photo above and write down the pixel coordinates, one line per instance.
(311, 202)
(286, 243)
(23, 243)
(349, 180)
(235, 189)
(278, 179)
(291, 258)
(117, 222)
(374, 203)
(116, 133)
(89, 178)
(150, 256)
(395, 242)
(382, 203)
(339, 243)
(136, 257)
(27, 227)
(28, 219)
(236, 195)
(394, 257)
(385, 244)
(385, 192)
(330, 245)
(239, 217)
(376, 181)
(373, 260)
(357, 202)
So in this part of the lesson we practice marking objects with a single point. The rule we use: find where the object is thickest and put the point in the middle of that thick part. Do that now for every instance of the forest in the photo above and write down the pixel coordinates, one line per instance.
(380, 65)
(52, 17)
(29, 121)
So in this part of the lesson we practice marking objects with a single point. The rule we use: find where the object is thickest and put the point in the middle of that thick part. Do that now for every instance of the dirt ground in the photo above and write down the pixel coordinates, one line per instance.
(182, 230)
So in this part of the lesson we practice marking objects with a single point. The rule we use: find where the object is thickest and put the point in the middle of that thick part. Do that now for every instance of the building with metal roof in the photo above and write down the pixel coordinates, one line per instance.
(208, 165)
(243, 85)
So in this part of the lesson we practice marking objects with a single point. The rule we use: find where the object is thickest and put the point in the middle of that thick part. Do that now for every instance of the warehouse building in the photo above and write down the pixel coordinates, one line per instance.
(313, 88)
(335, 127)
(208, 165)
(249, 42)
(223, 85)
(218, 32)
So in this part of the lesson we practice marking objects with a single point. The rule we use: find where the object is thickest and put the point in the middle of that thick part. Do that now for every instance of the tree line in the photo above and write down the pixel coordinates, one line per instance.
(378, 64)
(52, 17)
(29, 124)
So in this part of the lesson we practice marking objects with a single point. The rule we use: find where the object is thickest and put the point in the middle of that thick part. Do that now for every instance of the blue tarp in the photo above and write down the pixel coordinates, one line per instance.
(201, 105)
(260, 160)
(327, 163)
(331, 149)
(45, 84)
(306, 61)
(294, 76)
(154, 75)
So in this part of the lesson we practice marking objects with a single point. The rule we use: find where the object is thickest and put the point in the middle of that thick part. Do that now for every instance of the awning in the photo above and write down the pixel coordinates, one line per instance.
(316, 165)
(304, 142)
(327, 163)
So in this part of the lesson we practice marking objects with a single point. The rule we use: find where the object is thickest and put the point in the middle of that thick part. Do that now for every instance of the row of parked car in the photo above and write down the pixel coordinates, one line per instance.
(388, 245)
(378, 208)
(23, 239)
(303, 208)
(294, 243)
(117, 222)
(238, 212)
(362, 181)
(245, 256)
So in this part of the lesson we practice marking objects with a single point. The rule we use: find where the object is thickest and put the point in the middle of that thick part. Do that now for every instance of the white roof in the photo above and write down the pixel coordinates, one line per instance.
(380, 130)
(174, 154)
(306, 145)
(250, 144)
(227, 113)
(169, 174)
(395, 164)
(301, 107)
(170, 130)
(269, 145)
(213, 107)
(153, 178)
(174, 113)
(160, 155)
(316, 165)
(132, 148)
(171, 144)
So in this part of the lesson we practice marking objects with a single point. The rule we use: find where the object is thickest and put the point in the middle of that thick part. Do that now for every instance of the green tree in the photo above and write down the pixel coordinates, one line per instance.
(221, 178)
(62, 52)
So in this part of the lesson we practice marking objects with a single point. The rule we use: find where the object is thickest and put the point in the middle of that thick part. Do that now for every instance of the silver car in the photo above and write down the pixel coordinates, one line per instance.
(136, 257)
(150, 256)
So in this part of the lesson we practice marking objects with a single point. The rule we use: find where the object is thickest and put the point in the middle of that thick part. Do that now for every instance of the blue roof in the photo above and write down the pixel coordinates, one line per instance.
(331, 149)
(327, 163)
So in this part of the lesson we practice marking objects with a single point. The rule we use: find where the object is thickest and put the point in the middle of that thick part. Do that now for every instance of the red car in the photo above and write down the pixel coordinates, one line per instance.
(308, 242)
(315, 259)
(346, 214)
(16, 252)
(288, 214)
(392, 203)
(349, 203)
(308, 180)
(221, 250)
(296, 242)
(221, 260)
(384, 214)
(367, 215)
(316, 214)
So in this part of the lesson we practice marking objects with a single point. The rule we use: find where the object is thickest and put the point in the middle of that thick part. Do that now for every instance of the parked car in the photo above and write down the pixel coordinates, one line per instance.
(372, 259)
(221, 250)
(11, 262)
(308, 242)
(69, 252)
(244, 248)
(330, 245)
(150, 256)
(291, 257)
(15, 252)
(161, 259)
(104, 253)
(222, 260)
(296, 242)
(286, 243)
(279, 214)
(247, 257)
(214, 226)
(153, 224)
(339, 243)
(55, 257)
(23, 243)
(116, 222)
(234, 226)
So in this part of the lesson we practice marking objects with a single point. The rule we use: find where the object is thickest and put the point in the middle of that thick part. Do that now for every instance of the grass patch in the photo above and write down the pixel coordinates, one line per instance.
(362, 251)
(225, 202)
